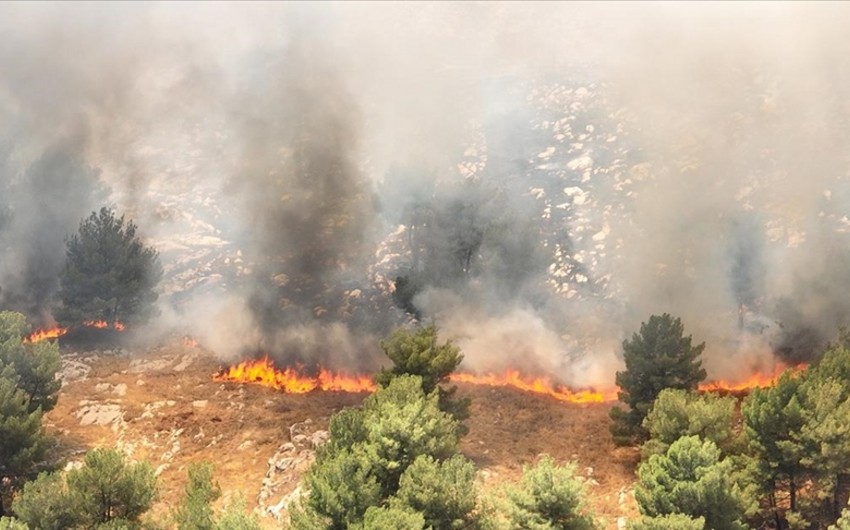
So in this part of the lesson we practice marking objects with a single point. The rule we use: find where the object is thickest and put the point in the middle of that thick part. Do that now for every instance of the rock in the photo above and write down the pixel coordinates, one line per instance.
(100, 414)
(72, 370)
(120, 389)
(200, 403)
(140, 382)
(102, 387)
(160, 469)
(245, 445)
(185, 362)
(622, 522)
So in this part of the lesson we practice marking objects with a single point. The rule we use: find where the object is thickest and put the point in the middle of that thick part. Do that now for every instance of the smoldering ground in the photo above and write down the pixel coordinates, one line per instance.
(561, 171)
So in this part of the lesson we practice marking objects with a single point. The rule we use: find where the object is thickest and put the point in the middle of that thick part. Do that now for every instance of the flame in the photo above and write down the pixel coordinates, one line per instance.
(45, 334)
(102, 324)
(538, 385)
(754, 380)
(290, 380)
(189, 342)
(293, 381)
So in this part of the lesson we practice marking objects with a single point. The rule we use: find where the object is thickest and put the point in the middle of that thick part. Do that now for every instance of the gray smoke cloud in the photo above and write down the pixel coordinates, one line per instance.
(545, 176)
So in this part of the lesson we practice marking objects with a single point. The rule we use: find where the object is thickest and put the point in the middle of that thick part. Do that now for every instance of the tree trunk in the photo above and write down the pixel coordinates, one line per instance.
(771, 498)
(792, 489)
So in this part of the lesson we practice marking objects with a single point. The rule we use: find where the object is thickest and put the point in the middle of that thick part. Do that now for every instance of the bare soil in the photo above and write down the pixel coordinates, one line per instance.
(175, 414)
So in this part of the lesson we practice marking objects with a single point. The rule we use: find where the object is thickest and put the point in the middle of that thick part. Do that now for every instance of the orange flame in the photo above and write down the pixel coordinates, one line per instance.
(102, 324)
(754, 380)
(289, 380)
(45, 334)
(538, 385)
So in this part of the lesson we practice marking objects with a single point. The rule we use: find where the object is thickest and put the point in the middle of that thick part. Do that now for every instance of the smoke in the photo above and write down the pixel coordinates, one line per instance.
(543, 177)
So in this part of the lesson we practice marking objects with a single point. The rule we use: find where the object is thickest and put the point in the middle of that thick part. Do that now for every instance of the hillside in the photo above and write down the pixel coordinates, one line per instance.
(162, 405)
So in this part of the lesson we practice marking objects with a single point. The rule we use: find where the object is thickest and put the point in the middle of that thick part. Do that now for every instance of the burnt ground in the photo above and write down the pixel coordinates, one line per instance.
(162, 405)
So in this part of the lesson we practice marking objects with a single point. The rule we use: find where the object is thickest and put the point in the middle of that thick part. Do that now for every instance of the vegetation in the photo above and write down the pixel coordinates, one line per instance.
(28, 388)
(691, 479)
(109, 273)
(105, 492)
(195, 512)
(418, 353)
(657, 357)
(549, 497)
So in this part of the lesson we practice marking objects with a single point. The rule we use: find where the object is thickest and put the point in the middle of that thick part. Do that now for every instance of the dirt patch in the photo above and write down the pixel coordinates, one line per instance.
(162, 405)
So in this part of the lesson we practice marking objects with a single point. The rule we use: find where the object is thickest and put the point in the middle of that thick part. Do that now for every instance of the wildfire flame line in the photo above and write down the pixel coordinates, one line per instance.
(293, 381)
(45, 334)
(58, 331)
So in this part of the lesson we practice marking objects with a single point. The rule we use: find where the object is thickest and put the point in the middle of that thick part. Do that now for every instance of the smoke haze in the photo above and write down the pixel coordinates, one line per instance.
(546, 175)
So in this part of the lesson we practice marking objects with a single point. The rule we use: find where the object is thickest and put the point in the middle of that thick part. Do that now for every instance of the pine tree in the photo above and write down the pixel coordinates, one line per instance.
(33, 367)
(675, 521)
(195, 512)
(443, 492)
(678, 413)
(109, 273)
(658, 357)
(549, 497)
(691, 479)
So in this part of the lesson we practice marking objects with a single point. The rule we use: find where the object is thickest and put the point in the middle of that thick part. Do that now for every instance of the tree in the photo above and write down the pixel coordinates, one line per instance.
(691, 479)
(675, 521)
(773, 418)
(391, 518)
(678, 413)
(107, 488)
(443, 492)
(33, 367)
(369, 451)
(10, 523)
(657, 357)
(109, 273)
(549, 497)
(236, 518)
(420, 354)
(44, 504)
(195, 512)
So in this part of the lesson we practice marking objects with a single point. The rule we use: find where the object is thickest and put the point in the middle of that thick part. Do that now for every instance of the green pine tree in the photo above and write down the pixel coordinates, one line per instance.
(657, 357)
(691, 479)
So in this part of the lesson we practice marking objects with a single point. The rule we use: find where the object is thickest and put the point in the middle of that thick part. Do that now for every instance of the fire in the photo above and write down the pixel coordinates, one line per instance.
(754, 380)
(102, 324)
(538, 385)
(291, 381)
(189, 342)
(45, 334)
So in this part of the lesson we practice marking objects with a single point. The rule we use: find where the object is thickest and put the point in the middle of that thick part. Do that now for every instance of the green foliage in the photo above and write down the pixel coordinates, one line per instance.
(691, 479)
(420, 354)
(675, 521)
(32, 367)
(403, 422)
(44, 504)
(195, 512)
(109, 273)
(678, 413)
(22, 443)
(391, 518)
(657, 357)
(444, 492)
(10, 523)
(236, 517)
(342, 486)
(773, 419)
(369, 451)
(548, 497)
(843, 522)
(108, 488)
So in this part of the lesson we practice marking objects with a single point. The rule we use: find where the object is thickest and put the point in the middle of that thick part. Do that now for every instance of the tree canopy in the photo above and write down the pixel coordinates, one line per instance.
(109, 273)
(659, 356)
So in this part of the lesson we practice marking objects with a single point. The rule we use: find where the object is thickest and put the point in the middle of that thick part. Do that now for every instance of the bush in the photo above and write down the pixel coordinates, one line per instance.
(109, 273)
(9, 523)
(549, 497)
(32, 366)
(657, 357)
(235, 517)
(390, 518)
